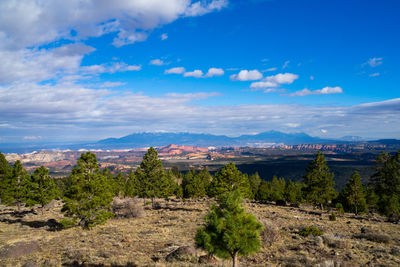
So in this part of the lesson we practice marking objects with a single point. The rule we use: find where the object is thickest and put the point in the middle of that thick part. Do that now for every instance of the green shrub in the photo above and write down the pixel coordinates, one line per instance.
(339, 208)
(332, 217)
(67, 223)
(310, 230)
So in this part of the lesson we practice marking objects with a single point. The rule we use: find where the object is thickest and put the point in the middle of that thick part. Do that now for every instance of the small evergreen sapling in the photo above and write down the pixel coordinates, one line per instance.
(228, 230)
(42, 188)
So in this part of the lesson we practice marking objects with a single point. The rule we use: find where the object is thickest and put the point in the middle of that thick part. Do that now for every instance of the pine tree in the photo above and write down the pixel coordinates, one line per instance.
(42, 188)
(228, 230)
(293, 192)
(255, 182)
(89, 197)
(5, 173)
(353, 194)
(150, 176)
(277, 188)
(229, 178)
(131, 185)
(264, 191)
(16, 186)
(319, 182)
(167, 185)
(193, 185)
(386, 182)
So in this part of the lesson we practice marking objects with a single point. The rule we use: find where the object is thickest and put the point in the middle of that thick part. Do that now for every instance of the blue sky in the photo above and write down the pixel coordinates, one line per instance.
(86, 70)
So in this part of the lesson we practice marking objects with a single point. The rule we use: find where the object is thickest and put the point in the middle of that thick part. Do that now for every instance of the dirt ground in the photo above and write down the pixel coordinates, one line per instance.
(29, 239)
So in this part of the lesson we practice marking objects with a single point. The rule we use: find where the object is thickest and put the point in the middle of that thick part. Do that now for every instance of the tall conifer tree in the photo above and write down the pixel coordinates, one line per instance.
(319, 182)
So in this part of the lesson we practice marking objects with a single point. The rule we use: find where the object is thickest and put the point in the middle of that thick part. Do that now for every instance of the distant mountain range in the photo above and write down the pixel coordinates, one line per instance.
(141, 140)
(205, 140)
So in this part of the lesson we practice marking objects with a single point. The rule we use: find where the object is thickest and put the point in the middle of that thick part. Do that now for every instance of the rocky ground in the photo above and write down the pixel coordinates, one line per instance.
(165, 237)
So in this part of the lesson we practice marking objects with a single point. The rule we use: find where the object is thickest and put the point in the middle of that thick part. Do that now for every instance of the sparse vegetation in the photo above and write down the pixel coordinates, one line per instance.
(229, 231)
(311, 230)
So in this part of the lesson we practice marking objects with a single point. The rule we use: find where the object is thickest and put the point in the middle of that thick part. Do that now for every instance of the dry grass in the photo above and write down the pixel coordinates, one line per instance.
(146, 241)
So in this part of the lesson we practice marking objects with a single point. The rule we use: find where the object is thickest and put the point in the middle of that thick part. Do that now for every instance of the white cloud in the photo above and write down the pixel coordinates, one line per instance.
(68, 111)
(324, 131)
(270, 69)
(292, 125)
(374, 74)
(195, 73)
(323, 91)
(286, 64)
(31, 23)
(275, 80)
(247, 75)
(111, 84)
(158, 62)
(312, 78)
(214, 72)
(32, 137)
(109, 68)
(164, 36)
(202, 7)
(282, 78)
(177, 70)
(28, 26)
(374, 62)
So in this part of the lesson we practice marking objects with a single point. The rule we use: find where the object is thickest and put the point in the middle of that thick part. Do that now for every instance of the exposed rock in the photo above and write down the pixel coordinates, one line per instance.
(184, 253)
(318, 241)
(208, 259)
(19, 249)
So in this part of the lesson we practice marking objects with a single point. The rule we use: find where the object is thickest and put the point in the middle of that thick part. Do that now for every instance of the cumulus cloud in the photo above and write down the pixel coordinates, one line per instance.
(177, 70)
(157, 62)
(28, 28)
(195, 73)
(374, 74)
(23, 23)
(275, 80)
(73, 111)
(324, 91)
(214, 72)
(247, 75)
(109, 68)
(112, 84)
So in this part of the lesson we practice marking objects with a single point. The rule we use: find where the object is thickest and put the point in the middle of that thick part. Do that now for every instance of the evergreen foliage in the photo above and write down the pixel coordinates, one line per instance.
(5, 173)
(89, 197)
(277, 188)
(386, 182)
(353, 196)
(319, 182)
(149, 174)
(194, 184)
(16, 185)
(255, 182)
(293, 192)
(228, 230)
(42, 188)
(264, 191)
(229, 178)
(131, 185)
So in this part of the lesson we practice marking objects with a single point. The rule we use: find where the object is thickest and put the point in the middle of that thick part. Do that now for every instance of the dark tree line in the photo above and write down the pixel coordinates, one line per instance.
(88, 191)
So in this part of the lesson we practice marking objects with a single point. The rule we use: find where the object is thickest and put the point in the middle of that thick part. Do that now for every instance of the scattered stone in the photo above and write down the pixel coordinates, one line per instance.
(51, 263)
(19, 249)
(184, 253)
(30, 264)
(318, 241)
(208, 259)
